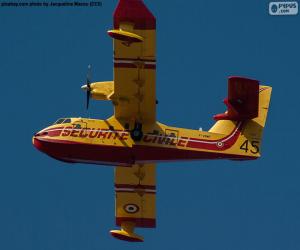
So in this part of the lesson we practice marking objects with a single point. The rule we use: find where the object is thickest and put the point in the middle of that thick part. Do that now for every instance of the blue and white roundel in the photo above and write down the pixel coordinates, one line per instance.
(131, 208)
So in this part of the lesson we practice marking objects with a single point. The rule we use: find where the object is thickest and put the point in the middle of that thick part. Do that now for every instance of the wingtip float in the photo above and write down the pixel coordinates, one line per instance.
(133, 140)
(127, 233)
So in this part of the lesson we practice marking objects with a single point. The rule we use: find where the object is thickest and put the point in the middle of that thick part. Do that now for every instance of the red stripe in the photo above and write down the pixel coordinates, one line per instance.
(139, 222)
(262, 89)
(135, 59)
(146, 154)
(53, 132)
(138, 186)
(49, 129)
(85, 153)
(56, 132)
(135, 191)
(132, 65)
(125, 156)
(240, 125)
(216, 147)
(224, 143)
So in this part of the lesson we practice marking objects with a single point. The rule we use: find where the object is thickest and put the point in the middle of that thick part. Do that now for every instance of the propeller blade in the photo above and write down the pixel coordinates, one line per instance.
(88, 85)
(89, 75)
(87, 99)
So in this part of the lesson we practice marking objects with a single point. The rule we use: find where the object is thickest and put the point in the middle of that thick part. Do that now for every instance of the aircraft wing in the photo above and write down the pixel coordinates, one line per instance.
(135, 190)
(134, 96)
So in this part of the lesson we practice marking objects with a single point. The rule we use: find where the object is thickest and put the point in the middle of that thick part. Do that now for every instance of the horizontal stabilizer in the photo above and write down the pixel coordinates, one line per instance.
(242, 101)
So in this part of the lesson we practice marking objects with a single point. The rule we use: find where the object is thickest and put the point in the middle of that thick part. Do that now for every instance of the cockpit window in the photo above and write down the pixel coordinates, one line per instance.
(62, 120)
(67, 120)
(59, 121)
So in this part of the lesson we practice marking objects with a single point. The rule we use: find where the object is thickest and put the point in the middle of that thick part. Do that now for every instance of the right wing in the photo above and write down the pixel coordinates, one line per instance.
(135, 189)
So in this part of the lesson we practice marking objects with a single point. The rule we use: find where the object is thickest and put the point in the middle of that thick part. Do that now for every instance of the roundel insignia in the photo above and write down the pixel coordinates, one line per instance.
(220, 144)
(131, 208)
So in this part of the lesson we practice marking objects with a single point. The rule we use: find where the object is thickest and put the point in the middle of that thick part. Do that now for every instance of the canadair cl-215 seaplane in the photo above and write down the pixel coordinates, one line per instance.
(133, 140)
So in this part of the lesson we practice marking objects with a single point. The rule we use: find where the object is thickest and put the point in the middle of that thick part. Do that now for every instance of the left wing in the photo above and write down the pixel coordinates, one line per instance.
(135, 189)
(134, 35)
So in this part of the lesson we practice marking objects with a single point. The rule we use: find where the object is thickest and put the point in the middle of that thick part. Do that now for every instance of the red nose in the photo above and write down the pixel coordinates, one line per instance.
(37, 143)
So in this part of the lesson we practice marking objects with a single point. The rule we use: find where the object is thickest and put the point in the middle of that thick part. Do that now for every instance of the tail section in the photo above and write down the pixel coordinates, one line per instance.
(251, 130)
(250, 139)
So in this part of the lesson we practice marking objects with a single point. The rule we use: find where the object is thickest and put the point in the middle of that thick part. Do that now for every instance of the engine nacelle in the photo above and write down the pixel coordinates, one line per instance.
(101, 90)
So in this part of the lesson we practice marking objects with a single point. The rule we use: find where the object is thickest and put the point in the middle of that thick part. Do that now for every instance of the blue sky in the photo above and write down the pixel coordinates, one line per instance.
(209, 205)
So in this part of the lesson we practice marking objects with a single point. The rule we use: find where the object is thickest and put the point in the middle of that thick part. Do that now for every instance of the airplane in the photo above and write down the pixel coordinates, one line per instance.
(133, 141)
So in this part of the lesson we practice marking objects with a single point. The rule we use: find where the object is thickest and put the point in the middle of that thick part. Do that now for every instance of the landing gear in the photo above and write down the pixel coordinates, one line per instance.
(137, 133)
(127, 233)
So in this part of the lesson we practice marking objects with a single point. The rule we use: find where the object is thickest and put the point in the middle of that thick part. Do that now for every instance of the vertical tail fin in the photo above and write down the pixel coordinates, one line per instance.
(248, 143)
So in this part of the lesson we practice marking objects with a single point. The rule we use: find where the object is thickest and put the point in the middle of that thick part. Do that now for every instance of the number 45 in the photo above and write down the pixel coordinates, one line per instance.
(253, 144)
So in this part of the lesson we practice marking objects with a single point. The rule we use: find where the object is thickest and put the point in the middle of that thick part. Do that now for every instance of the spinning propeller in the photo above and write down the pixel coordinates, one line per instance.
(87, 87)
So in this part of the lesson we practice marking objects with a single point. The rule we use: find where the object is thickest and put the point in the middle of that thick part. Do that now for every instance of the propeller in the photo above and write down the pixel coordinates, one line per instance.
(87, 87)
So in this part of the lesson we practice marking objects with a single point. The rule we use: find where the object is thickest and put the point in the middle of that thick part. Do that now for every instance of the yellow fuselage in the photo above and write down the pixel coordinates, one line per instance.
(109, 142)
